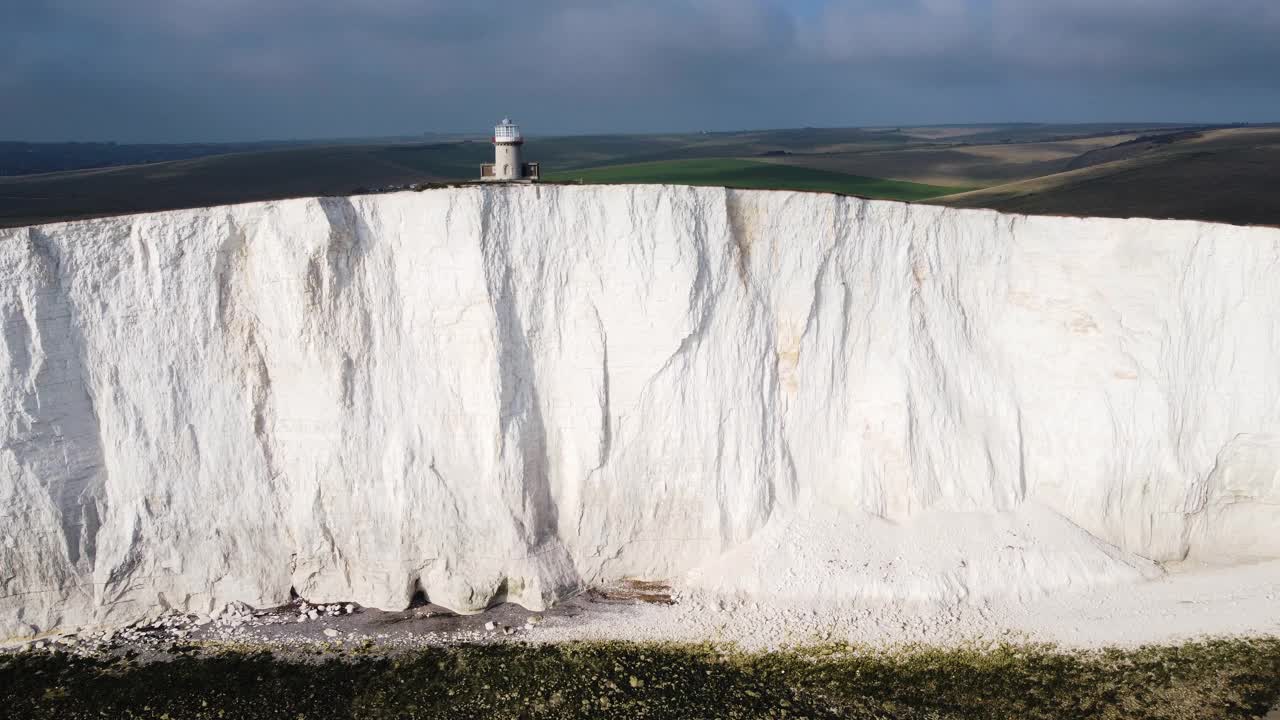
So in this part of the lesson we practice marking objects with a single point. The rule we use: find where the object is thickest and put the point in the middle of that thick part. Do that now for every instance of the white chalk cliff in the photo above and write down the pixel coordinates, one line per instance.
(514, 392)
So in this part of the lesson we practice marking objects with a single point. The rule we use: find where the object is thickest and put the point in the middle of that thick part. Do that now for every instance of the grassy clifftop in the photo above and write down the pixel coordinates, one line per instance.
(730, 172)
(1213, 679)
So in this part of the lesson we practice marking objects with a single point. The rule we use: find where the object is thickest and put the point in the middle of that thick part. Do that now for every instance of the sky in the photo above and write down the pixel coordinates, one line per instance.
(222, 70)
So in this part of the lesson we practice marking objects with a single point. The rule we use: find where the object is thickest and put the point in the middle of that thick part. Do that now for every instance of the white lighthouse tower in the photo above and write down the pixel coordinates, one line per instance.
(507, 165)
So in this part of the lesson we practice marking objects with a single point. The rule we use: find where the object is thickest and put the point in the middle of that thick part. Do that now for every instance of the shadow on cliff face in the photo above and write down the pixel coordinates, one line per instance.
(345, 250)
(522, 430)
(62, 447)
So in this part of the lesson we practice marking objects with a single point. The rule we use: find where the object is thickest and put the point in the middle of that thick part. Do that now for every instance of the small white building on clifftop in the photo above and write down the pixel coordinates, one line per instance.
(507, 165)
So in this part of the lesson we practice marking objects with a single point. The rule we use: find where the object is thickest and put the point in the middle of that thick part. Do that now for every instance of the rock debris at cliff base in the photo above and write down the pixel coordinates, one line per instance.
(509, 394)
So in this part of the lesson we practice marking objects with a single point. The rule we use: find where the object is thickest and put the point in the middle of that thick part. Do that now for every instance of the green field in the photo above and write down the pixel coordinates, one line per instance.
(730, 172)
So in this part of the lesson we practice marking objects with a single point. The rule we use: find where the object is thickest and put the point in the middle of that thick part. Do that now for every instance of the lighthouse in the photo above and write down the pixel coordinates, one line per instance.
(508, 166)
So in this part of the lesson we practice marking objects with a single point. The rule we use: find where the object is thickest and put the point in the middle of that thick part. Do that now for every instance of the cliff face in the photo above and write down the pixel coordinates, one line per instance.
(510, 392)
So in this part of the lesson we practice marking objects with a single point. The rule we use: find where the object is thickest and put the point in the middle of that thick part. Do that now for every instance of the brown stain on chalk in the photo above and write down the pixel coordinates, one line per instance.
(787, 354)
(744, 230)
(1083, 324)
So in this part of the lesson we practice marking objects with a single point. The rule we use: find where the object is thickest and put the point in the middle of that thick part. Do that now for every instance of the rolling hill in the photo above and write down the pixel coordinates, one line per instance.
(1230, 175)
(231, 178)
(1157, 170)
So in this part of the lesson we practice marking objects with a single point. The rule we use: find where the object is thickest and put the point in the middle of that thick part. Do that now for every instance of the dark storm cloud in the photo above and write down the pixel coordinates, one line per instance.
(230, 69)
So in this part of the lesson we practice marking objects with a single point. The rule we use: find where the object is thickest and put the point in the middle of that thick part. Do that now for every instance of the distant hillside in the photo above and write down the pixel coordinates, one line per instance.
(1150, 169)
(1222, 175)
(1131, 148)
(23, 158)
(232, 178)
(29, 158)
